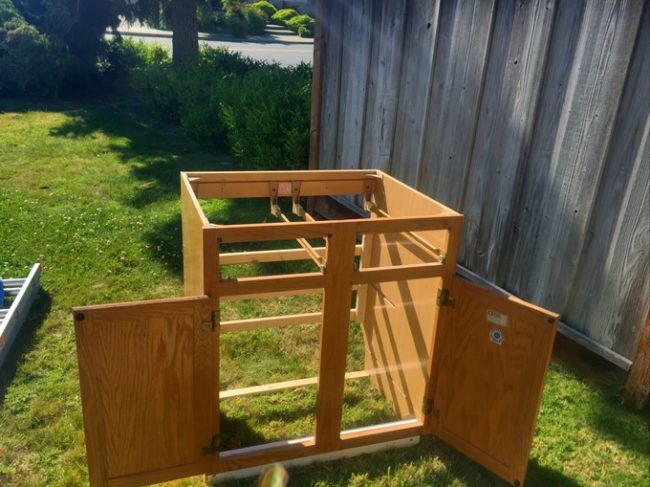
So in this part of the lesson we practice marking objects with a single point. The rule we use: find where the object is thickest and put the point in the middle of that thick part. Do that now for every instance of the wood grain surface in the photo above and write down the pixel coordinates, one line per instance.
(146, 389)
(337, 295)
(488, 392)
(529, 118)
(192, 221)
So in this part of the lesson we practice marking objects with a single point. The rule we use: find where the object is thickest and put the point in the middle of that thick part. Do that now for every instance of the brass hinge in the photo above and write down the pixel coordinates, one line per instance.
(213, 324)
(445, 298)
(427, 406)
(213, 447)
(216, 319)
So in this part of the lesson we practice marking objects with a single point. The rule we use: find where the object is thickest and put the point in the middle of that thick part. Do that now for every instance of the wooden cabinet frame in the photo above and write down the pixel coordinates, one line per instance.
(407, 248)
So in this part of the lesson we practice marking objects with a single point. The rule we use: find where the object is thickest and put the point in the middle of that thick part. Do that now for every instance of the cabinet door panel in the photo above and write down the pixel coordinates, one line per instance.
(147, 373)
(495, 352)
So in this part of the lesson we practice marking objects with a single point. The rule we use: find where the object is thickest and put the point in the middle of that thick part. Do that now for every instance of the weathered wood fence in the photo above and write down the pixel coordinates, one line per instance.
(530, 117)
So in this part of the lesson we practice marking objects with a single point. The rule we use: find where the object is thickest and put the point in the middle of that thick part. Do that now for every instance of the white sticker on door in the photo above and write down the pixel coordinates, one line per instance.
(496, 317)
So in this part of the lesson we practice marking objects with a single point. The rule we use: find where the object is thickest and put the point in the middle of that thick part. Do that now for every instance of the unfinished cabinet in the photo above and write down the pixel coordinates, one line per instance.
(448, 357)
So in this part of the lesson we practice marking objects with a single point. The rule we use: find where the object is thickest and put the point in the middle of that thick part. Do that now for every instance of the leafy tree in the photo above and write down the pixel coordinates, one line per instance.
(80, 24)
(49, 47)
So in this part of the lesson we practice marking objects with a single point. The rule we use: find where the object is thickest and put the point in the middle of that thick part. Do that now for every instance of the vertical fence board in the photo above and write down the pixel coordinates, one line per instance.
(465, 30)
(356, 40)
(516, 67)
(576, 164)
(331, 50)
(383, 84)
(417, 67)
(530, 220)
(546, 157)
(612, 287)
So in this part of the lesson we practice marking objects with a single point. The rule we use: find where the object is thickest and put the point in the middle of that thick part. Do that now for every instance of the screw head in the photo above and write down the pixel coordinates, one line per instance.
(79, 316)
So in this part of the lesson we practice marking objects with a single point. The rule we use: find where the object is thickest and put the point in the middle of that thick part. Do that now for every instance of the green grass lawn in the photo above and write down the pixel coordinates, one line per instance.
(91, 192)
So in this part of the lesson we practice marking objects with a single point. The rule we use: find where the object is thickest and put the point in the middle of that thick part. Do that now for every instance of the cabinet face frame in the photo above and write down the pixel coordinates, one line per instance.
(394, 210)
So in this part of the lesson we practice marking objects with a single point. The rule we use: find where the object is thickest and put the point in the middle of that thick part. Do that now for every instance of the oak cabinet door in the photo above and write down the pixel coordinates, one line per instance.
(148, 374)
(495, 351)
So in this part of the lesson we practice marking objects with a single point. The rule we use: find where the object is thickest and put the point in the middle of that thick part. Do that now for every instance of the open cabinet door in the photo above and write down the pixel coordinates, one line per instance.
(495, 351)
(148, 373)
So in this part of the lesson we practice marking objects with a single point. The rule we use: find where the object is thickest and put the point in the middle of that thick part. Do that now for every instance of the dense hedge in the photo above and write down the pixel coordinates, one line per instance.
(257, 111)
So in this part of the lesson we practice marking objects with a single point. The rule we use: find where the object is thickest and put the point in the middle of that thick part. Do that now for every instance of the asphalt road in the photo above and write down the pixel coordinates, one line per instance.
(281, 49)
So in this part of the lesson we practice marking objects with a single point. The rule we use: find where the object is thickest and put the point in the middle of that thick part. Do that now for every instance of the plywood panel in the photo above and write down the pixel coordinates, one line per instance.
(398, 199)
(192, 221)
(494, 357)
(399, 326)
(399, 318)
(147, 383)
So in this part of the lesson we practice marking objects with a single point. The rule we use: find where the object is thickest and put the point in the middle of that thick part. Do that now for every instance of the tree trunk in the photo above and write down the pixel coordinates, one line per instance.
(185, 43)
(637, 388)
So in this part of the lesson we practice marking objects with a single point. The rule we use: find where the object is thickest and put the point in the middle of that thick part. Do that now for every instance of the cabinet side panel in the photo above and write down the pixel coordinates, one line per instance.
(192, 224)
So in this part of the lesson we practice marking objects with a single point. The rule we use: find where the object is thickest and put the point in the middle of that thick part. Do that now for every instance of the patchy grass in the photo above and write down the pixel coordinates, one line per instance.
(90, 191)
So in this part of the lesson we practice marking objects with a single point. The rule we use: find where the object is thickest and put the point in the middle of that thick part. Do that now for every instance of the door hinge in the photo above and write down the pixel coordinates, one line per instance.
(216, 319)
(445, 298)
(213, 447)
(428, 408)
(213, 324)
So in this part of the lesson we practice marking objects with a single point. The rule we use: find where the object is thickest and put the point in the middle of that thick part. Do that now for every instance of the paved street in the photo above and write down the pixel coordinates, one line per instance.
(277, 45)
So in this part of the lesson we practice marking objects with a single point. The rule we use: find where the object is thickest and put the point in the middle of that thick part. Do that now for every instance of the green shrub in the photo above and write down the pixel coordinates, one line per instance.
(31, 63)
(265, 7)
(303, 25)
(206, 18)
(236, 24)
(8, 12)
(192, 95)
(266, 116)
(259, 111)
(156, 86)
(244, 19)
(255, 20)
(120, 57)
(283, 15)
